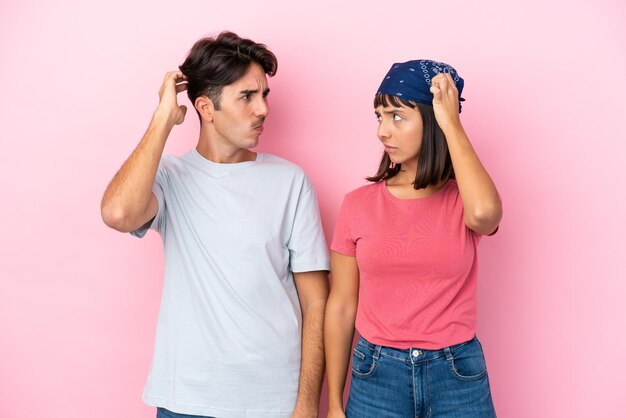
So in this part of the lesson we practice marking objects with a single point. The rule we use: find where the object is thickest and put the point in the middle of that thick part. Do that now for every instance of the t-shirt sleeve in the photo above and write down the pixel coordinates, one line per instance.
(307, 245)
(343, 241)
(157, 223)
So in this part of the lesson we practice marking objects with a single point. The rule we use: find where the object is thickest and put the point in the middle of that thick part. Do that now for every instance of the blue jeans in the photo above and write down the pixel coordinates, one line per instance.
(165, 413)
(392, 383)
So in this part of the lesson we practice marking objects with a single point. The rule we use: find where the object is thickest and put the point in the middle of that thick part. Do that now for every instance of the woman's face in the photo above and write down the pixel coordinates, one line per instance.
(400, 130)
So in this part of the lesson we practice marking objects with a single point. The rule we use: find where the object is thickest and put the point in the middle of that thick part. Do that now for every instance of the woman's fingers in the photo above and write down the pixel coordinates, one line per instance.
(452, 84)
(436, 91)
(445, 100)
(444, 89)
(445, 82)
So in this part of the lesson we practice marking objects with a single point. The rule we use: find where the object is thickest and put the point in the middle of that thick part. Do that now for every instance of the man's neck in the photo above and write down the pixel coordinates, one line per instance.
(213, 149)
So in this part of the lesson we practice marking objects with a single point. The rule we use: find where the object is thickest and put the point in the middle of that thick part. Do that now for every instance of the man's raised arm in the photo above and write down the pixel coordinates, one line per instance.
(128, 202)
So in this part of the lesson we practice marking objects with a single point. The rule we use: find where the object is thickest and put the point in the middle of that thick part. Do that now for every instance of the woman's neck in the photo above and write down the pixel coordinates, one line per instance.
(402, 184)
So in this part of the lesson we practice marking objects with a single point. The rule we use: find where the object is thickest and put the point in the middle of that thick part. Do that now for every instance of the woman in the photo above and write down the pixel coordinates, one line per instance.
(405, 249)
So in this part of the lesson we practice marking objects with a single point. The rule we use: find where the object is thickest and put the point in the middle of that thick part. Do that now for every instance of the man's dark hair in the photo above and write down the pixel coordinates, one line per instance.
(433, 162)
(214, 63)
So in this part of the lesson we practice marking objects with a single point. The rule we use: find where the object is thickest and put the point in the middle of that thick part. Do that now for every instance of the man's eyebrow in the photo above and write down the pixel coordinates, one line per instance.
(251, 91)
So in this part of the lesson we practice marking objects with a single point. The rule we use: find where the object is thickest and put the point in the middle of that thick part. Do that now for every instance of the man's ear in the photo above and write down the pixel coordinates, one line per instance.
(205, 108)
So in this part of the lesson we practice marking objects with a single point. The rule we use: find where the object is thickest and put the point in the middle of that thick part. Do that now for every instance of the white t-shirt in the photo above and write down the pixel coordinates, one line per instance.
(228, 340)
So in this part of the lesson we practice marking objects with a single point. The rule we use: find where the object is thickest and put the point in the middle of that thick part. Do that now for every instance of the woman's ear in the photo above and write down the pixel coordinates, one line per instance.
(205, 108)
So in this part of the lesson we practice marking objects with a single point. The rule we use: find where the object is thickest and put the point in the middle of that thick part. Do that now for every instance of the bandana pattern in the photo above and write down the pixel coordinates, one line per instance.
(411, 80)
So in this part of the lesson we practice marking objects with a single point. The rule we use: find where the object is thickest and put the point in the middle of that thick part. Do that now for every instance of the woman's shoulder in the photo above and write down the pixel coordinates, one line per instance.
(364, 191)
(362, 196)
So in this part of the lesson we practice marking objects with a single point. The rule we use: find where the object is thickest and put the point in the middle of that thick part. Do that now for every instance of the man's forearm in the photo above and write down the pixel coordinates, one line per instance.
(312, 369)
(127, 202)
(129, 193)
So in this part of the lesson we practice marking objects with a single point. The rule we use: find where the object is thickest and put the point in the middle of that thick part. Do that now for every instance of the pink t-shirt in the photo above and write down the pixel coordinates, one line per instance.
(417, 266)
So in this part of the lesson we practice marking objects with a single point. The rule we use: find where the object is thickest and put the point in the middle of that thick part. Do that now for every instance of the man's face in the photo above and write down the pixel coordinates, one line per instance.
(243, 108)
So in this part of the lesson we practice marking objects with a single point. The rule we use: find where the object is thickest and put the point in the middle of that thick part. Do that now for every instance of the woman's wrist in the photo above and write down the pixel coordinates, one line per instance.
(335, 401)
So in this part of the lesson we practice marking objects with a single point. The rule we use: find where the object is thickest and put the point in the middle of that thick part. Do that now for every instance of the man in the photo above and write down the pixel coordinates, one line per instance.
(240, 327)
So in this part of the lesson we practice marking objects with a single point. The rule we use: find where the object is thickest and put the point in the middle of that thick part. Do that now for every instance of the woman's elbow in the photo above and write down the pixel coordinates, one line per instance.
(484, 219)
(344, 308)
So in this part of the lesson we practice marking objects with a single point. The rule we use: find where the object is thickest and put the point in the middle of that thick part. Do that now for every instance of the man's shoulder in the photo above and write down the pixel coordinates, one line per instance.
(279, 161)
(274, 162)
(171, 161)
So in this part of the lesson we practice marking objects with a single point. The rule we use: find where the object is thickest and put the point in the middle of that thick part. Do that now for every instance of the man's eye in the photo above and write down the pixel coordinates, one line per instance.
(396, 117)
(379, 118)
(246, 97)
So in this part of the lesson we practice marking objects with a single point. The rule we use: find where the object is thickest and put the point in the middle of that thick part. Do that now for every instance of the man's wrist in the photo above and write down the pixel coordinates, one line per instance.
(310, 407)
(163, 119)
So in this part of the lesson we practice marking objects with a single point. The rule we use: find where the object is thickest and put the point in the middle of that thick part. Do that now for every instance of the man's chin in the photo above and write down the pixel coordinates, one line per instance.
(247, 142)
(252, 143)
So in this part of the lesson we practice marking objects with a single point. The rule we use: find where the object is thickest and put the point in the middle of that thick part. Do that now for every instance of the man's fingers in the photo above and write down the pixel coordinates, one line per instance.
(174, 79)
(174, 75)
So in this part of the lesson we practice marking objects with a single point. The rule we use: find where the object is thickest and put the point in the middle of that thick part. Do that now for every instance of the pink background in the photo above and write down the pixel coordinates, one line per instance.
(545, 110)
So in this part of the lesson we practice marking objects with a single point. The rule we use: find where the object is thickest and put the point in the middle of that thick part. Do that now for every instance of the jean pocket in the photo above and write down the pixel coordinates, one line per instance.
(363, 362)
(468, 362)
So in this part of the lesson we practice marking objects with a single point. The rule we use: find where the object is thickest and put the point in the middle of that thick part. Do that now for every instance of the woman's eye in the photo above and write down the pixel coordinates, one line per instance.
(396, 117)
(246, 96)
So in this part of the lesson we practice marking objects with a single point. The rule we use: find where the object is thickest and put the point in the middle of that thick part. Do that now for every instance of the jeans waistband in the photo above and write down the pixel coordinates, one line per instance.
(413, 354)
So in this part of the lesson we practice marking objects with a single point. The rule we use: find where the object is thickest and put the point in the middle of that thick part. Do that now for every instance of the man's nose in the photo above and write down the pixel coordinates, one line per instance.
(261, 107)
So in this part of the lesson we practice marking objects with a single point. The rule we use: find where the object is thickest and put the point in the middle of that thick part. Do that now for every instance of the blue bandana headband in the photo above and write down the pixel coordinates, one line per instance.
(411, 80)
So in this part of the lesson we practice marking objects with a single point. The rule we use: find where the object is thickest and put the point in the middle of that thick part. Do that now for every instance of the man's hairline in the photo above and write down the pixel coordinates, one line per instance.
(217, 106)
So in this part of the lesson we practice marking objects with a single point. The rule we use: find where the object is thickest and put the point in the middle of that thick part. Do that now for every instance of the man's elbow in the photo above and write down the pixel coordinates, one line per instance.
(315, 302)
(116, 218)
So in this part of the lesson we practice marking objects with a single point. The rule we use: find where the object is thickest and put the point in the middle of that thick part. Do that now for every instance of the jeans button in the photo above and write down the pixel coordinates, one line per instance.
(416, 353)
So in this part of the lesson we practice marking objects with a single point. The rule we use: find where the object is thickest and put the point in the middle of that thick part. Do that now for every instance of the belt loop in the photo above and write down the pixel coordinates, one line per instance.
(448, 354)
(377, 351)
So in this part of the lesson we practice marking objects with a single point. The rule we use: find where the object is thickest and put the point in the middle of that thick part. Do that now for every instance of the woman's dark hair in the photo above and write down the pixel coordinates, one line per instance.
(214, 63)
(433, 162)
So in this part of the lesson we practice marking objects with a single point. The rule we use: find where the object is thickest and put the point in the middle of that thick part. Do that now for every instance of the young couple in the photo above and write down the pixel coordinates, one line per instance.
(247, 324)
